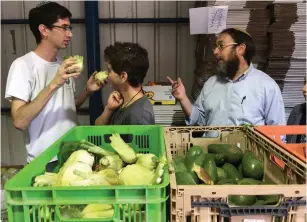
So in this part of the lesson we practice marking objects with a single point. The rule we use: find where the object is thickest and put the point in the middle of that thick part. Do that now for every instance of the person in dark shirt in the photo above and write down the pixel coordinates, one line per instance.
(127, 67)
(298, 117)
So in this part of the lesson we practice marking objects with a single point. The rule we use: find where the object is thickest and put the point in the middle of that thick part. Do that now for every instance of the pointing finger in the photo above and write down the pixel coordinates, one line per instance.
(169, 79)
(179, 81)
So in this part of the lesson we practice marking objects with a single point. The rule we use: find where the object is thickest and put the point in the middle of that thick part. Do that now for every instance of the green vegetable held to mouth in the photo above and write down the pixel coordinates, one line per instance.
(78, 58)
(101, 76)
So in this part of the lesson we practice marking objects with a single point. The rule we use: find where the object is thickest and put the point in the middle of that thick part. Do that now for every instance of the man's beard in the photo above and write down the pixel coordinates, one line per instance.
(228, 68)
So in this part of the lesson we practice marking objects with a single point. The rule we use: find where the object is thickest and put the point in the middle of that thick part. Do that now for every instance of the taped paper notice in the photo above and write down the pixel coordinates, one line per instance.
(208, 20)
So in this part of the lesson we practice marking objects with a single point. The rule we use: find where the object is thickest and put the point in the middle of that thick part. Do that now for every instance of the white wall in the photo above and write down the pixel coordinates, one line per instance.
(170, 47)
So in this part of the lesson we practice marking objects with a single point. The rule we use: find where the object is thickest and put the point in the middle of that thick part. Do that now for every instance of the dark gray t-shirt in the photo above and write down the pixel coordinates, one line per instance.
(138, 113)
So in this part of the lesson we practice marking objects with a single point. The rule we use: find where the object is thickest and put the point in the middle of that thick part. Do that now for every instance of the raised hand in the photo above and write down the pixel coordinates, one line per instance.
(93, 85)
(115, 101)
(178, 89)
(69, 68)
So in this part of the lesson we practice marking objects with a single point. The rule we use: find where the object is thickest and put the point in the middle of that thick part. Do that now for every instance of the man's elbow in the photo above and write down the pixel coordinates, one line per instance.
(20, 125)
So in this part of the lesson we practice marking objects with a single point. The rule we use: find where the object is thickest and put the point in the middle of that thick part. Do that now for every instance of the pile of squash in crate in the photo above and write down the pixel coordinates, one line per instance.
(223, 164)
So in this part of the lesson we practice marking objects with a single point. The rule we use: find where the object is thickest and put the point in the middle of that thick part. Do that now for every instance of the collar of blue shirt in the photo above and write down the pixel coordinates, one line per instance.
(244, 75)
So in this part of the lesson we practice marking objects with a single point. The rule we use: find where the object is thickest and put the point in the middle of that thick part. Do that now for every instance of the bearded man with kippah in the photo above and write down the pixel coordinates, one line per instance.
(238, 93)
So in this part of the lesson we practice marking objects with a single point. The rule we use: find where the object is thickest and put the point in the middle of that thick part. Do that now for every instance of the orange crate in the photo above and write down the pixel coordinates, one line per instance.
(274, 134)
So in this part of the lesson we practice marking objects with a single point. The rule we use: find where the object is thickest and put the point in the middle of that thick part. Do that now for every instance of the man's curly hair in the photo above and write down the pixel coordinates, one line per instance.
(130, 58)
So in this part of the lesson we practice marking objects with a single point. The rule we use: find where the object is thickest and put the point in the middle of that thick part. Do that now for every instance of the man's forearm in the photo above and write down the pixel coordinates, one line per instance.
(24, 115)
(81, 98)
(186, 106)
(104, 118)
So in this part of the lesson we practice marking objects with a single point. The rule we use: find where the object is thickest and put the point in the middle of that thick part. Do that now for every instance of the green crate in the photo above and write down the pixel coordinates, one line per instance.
(21, 196)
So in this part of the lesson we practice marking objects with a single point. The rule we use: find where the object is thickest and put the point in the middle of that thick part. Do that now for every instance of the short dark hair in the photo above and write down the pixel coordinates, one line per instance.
(241, 37)
(46, 14)
(130, 58)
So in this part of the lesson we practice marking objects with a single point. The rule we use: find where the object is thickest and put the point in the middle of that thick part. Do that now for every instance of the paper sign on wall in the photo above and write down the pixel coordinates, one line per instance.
(208, 20)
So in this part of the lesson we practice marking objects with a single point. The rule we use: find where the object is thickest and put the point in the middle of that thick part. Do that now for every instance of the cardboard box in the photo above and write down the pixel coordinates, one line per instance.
(160, 94)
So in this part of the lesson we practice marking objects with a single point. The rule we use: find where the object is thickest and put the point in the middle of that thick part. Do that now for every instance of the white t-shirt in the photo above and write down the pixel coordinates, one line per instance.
(28, 76)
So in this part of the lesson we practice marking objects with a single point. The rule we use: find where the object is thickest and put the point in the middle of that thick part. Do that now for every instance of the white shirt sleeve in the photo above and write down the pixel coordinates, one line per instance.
(19, 82)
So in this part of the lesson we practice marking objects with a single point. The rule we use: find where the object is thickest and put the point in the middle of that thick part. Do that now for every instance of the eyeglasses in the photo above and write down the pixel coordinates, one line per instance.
(221, 47)
(66, 28)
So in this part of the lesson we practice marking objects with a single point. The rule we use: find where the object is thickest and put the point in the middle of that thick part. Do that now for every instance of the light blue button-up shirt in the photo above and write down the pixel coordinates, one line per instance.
(254, 98)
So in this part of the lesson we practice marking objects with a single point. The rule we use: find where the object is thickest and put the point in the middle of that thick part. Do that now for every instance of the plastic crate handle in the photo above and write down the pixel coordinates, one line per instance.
(226, 211)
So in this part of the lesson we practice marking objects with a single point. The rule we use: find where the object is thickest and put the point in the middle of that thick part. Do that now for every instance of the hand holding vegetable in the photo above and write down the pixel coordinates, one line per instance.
(68, 69)
(93, 85)
(115, 100)
(101, 76)
(79, 60)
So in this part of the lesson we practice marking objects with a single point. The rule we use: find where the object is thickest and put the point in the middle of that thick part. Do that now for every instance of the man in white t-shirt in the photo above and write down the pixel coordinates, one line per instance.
(41, 86)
